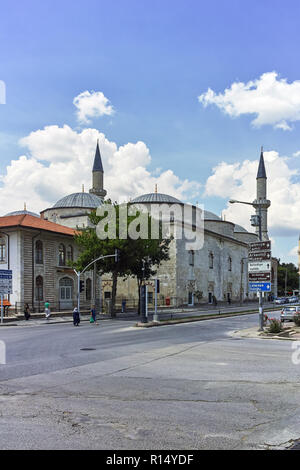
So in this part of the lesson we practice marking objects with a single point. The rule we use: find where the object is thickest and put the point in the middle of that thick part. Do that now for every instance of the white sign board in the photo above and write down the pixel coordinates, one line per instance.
(259, 266)
(5, 281)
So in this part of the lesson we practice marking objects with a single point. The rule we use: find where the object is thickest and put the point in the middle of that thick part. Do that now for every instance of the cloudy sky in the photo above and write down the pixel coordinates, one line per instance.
(180, 93)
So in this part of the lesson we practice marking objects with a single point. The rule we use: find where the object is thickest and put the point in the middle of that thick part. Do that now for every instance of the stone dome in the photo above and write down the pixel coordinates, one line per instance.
(82, 200)
(155, 197)
(25, 212)
(210, 216)
(239, 228)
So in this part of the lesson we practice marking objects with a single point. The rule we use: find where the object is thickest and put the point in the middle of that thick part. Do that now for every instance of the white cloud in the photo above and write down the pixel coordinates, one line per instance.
(60, 160)
(294, 252)
(92, 104)
(296, 154)
(238, 181)
(273, 100)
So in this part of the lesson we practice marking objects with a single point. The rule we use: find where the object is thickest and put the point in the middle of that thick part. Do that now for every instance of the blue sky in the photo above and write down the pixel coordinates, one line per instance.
(151, 60)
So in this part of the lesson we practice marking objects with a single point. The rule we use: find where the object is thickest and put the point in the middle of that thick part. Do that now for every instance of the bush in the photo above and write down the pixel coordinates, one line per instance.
(275, 326)
(297, 320)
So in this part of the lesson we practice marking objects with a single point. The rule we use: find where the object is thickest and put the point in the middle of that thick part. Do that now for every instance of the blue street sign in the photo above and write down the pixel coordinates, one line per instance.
(260, 286)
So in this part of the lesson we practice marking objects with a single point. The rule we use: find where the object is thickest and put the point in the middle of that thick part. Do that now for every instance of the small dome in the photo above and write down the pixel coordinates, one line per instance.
(22, 213)
(239, 228)
(210, 216)
(156, 197)
(85, 200)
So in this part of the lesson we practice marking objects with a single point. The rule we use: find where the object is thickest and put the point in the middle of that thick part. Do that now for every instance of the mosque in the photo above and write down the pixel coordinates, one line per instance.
(38, 247)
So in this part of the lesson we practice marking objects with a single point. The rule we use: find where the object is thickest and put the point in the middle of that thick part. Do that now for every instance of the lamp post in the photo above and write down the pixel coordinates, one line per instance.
(256, 223)
(116, 255)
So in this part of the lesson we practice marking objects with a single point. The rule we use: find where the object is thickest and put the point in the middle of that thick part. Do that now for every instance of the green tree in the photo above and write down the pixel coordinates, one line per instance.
(138, 258)
(288, 278)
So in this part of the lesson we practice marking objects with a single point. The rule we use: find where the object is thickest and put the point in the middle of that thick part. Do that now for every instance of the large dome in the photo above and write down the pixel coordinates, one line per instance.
(210, 216)
(84, 200)
(155, 197)
(239, 229)
(22, 213)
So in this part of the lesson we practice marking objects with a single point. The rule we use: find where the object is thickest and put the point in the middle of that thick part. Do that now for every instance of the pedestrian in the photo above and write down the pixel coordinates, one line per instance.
(93, 314)
(76, 317)
(47, 310)
(215, 300)
(27, 312)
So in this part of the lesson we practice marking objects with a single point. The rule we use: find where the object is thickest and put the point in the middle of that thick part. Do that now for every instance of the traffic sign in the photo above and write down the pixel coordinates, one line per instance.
(259, 266)
(260, 286)
(259, 255)
(260, 246)
(259, 277)
(5, 281)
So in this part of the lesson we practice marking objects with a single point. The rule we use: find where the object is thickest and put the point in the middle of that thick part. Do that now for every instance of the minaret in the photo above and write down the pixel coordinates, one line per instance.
(98, 174)
(261, 197)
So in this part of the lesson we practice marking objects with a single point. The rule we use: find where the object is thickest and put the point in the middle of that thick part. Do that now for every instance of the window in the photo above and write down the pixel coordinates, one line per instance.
(88, 289)
(229, 264)
(62, 255)
(39, 252)
(211, 260)
(150, 297)
(2, 250)
(70, 253)
(191, 258)
(107, 295)
(39, 289)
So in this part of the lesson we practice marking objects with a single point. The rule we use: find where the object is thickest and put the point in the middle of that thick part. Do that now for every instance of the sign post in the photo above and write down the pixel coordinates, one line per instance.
(5, 287)
(259, 272)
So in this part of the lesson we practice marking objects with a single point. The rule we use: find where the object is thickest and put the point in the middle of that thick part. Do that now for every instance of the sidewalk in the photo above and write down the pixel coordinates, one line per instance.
(164, 313)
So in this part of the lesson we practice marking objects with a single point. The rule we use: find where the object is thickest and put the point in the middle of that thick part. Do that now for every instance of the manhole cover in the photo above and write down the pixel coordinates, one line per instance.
(87, 349)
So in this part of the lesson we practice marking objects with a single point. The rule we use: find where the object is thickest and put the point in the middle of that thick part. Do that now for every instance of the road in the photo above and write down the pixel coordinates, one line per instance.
(185, 386)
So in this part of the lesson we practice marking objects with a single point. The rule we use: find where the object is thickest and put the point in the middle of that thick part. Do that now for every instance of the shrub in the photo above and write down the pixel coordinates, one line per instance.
(297, 320)
(275, 325)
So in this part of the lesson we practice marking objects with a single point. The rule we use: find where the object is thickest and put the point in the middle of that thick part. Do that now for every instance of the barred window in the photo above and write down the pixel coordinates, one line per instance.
(39, 252)
(62, 255)
(39, 289)
(211, 260)
(2, 250)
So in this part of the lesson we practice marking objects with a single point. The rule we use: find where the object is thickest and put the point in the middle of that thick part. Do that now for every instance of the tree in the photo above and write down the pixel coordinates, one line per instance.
(288, 278)
(138, 258)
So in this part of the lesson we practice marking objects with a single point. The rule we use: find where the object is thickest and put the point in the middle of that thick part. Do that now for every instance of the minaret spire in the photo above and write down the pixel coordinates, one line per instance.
(261, 202)
(98, 174)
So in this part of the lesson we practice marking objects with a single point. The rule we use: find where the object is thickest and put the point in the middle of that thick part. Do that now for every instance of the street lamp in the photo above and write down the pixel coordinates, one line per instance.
(256, 222)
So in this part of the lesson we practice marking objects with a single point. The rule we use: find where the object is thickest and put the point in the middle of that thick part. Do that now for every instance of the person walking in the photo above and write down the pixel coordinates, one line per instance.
(47, 310)
(93, 314)
(76, 317)
(27, 312)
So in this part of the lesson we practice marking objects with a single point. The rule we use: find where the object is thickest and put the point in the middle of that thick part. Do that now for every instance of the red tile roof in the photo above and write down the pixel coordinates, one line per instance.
(29, 221)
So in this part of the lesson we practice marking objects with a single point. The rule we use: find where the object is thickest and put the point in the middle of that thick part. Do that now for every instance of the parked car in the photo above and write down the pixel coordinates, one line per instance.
(288, 313)
(280, 300)
(293, 299)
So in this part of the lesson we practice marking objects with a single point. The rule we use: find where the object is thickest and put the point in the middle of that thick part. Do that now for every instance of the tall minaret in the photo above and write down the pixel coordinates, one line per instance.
(261, 197)
(98, 174)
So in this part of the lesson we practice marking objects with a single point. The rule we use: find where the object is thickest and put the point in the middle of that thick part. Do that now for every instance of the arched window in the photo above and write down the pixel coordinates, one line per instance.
(229, 263)
(2, 249)
(39, 289)
(211, 260)
(62, 255)
(39, 252)
(70, 253)
(88, 289)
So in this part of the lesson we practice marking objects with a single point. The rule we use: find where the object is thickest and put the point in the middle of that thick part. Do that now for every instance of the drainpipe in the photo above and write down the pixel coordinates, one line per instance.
(33, 272)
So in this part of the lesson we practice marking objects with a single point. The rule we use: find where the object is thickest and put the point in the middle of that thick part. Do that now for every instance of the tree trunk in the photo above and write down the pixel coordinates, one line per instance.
(114, 294)
(139, 282)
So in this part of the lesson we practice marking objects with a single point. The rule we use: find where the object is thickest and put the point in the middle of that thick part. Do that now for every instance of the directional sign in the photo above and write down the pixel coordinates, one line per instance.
(260, 246)
(5, 281)
(259, 266)
(260, 286)
(259, 277)
(259, 255)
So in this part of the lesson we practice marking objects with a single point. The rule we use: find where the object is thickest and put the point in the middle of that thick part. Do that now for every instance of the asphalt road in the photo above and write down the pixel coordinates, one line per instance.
(186, 386)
